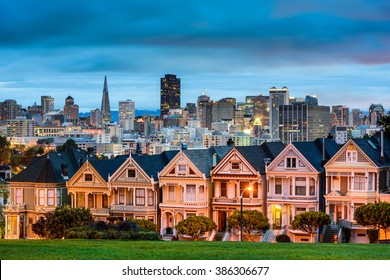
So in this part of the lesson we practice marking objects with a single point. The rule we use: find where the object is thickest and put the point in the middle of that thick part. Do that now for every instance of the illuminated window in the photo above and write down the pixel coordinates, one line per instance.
(351, 156)
(150, 198)
(140, 196)
(58, 197)
(50, 197)
(190, 193)
(18, 196)
(41, 197)
(171, 193)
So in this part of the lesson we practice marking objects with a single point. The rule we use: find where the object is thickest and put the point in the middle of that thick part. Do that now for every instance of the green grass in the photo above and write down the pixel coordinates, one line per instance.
(182, 250)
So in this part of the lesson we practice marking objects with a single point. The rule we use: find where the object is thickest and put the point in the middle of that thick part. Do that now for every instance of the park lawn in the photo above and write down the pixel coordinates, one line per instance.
(185, 250)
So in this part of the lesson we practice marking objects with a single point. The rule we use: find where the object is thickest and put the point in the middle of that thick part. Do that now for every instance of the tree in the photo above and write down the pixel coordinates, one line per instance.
(310, 222)
(5, 151)
(385, 123)
(55, 224)
(195, 226)
(252, 221)
(68, 145)
(374, 214)
(4, 194)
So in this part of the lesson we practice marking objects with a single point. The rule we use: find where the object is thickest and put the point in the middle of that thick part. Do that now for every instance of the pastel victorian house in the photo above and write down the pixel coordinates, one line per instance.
(134, 187)
(185, 185)
(241, 173)
(89, 188)
(358, 174)
(296, 183)
(39, 189)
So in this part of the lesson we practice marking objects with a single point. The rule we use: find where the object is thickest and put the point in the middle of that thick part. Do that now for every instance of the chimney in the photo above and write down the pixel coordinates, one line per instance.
(183, 146)
(382, 156)
(214, 159)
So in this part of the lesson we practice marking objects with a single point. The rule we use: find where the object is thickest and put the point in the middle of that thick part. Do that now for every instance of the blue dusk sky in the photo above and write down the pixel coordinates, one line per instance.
(338, 50)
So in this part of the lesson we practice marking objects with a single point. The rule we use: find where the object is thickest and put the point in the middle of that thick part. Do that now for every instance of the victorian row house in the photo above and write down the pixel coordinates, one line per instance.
(280, 181)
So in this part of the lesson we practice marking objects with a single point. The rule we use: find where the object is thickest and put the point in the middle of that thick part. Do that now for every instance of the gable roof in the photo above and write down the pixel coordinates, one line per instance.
(107, 167)
(202, 159)
(372, 148)
(47, 168)
(152, 164)
(312, 151)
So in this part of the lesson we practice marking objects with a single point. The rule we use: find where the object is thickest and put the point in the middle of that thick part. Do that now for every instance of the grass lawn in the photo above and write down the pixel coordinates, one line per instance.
(182, 250)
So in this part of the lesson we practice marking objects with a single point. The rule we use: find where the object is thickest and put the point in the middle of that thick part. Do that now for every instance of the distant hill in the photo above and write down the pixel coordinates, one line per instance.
(114, 114)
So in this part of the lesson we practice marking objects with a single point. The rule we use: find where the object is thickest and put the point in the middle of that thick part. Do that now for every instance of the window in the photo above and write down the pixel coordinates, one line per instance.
(359, 182)
(88, 177)
(201, 193)
(80, 197)
(181, 169)
(191, 215)
(41, 197)
(299, 210)
(105, 201)
(255, 190)
(171, 193)
(131, 173)
(150, 198)
(351, 156)
(235, 166)
(90, 201)
(191, 193)
(278, 186)
(312, 188)
(300, 186)
(59, 197)
(50, 197)
(18, 196)
(223, 189)
(243, 186)
(139, 196)
(291, 162)
(121, 196)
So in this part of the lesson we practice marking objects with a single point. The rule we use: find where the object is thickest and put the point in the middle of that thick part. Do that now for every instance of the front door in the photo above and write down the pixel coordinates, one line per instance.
(221, 221)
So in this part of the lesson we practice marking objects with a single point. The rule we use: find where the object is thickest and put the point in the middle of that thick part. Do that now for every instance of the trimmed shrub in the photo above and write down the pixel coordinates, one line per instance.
(283, 238)
(128, 226)
(372, 235)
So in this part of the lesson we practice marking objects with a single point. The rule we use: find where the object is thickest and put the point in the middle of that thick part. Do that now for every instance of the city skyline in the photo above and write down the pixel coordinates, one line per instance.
(338, 52)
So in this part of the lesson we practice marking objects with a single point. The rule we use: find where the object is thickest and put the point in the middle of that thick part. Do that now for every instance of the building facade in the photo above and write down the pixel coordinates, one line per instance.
(169, 94)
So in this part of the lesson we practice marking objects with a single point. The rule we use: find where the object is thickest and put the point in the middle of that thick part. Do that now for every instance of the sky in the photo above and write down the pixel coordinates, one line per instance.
(338, 50)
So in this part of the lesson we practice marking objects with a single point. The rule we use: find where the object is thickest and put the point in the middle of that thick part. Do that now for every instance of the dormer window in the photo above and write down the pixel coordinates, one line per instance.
(88, 177)
(181, 169)
(235, 166)
(131, 173)
(291, 162)
(351, 156)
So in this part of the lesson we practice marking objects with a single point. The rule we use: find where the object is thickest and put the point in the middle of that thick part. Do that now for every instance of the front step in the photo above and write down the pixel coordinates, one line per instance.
(219, 235)
(330, 232)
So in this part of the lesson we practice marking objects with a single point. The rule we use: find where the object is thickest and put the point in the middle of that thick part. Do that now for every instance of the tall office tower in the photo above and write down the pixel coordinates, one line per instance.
(95, 118)
(261, 110)
(35, 109)
(169, 94)
(277, 97)
(106, 112)
(223, 109)
(303, 122)
(71, 111)
(204, 110)
(340, 115)
(126, 115)
(311, 100)
(47, 103)
(249, 103)
(191, 109)
(375, 113)
(9, 109)
(20, 128)
(357, 117)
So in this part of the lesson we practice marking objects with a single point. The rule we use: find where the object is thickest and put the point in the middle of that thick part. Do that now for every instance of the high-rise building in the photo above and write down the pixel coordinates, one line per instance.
(20, 128)
(106, 112)
(303, 122)
(71, 111)
(169, 94)
(126, 115)
(340, 115)
(357, 117)
(95, 118)
(47, 103)
(375, 113)
(277, 97)
(9, 109)
(223, 109)
(261, 110)
(204, 110)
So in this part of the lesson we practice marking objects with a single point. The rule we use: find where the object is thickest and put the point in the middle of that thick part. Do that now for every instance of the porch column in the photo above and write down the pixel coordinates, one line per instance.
(197, 186)
(237, 189)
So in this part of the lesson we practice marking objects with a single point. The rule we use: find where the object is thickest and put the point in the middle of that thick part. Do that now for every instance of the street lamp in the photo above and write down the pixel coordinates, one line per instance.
(241, 196)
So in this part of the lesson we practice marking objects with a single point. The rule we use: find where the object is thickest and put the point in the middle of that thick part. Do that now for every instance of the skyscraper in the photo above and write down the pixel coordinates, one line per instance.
(106, 113)
(71, 111)
(375, 113)
(169, 94)
(340, 115)
(126, 115)
(277, 97)
(204, 110)
(47, 103)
